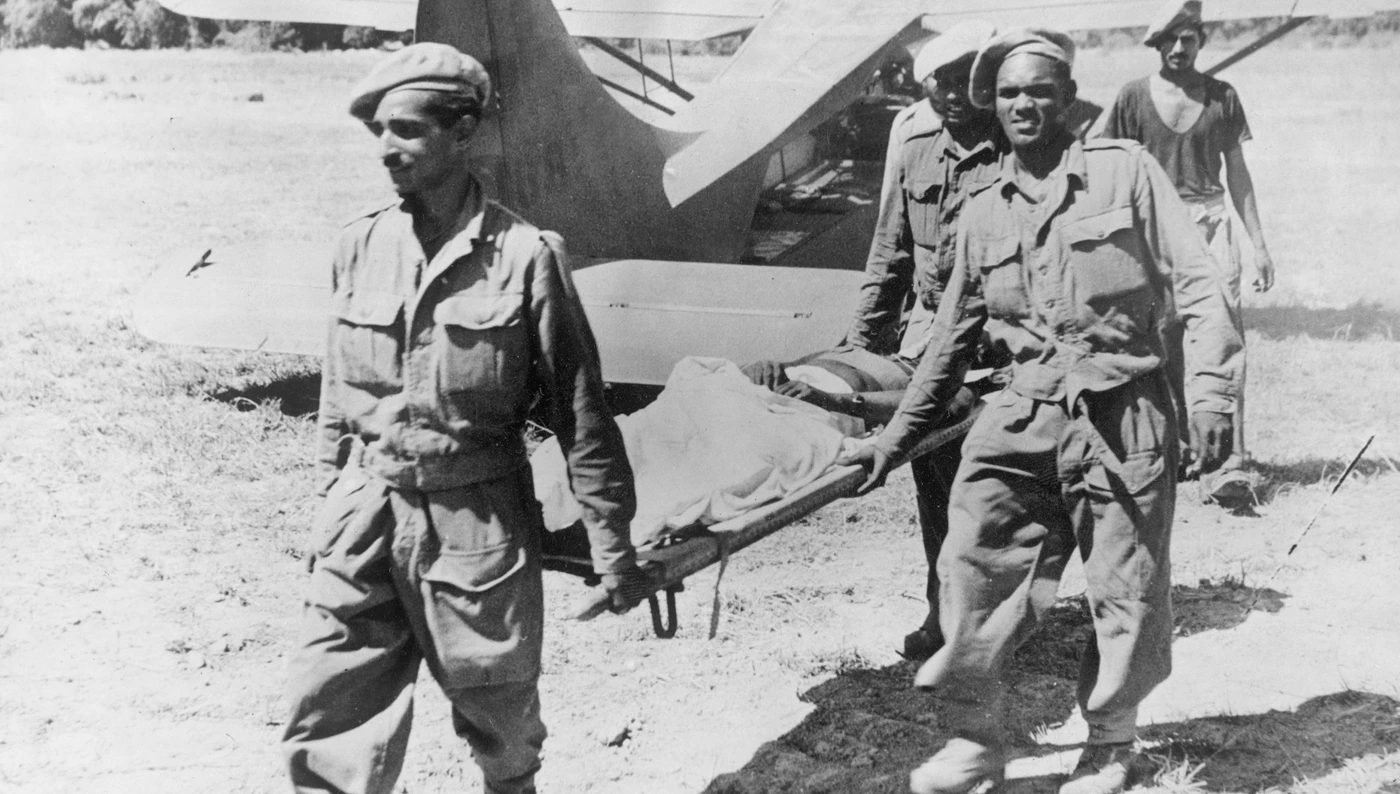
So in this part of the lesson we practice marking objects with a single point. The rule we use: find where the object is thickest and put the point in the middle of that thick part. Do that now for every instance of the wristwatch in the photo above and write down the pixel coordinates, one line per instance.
(857, 404)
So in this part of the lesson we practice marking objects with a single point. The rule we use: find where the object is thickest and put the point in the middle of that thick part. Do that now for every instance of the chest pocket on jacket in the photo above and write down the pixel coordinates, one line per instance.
(368, 338)
(483, 346)
(1003, 281)
(1106, 255)
(923, 198)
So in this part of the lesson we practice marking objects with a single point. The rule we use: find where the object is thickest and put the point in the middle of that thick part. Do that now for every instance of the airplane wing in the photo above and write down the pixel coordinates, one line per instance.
(272, 296)
(679, 20)
(809, 59)
(275, 297)
(392, 15)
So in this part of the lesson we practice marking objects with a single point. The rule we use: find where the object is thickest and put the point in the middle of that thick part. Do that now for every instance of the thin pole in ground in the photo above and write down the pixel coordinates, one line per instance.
(1316, 514)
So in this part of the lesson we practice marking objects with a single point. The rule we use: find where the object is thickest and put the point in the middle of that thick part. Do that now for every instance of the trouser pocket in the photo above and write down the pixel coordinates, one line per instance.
(485, 614)
(338, 510)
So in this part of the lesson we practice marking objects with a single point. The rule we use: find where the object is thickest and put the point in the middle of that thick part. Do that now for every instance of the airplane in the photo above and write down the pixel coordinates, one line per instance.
(655, 214)
(659, 215)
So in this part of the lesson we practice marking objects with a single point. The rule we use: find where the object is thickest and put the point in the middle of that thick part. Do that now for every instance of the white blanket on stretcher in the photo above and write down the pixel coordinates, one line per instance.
(711, 447)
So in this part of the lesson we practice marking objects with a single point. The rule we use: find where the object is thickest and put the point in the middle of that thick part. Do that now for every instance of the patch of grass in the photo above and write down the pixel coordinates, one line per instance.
(834, 662)
(85, 78)
(1177, 776)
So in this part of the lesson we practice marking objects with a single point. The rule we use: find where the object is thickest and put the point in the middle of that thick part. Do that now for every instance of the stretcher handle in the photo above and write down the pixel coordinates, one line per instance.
(667, 630)
(597, 600)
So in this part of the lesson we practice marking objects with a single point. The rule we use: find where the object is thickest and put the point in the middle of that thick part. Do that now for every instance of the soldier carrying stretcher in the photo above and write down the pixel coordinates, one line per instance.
(1074, 259)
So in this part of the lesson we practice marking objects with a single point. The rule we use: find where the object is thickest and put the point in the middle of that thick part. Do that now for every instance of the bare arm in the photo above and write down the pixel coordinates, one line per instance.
(872, 407)
(1241, 188)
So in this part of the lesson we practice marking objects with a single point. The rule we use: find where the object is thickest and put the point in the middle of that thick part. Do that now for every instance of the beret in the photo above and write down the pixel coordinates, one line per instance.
(1051, 43)
(1170, 16)
(960, 41)
(426, 66)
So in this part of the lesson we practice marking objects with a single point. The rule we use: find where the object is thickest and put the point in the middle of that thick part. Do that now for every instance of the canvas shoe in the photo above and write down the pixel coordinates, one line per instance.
(961, 767)
(1102, 769)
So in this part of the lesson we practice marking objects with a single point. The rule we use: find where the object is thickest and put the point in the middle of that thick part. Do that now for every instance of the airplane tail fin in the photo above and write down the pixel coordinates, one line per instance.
(561, 151)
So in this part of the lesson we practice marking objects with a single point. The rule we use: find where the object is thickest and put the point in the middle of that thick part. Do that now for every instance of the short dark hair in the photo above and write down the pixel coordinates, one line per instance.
(449, 108)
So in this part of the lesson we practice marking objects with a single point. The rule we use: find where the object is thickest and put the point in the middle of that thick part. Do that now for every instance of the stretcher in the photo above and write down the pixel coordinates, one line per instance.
(696, 548)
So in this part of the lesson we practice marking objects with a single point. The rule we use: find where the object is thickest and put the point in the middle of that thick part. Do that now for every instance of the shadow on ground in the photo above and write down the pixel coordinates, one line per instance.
(1279, 476)
(297, 395)
(1358, 321)
(1267, 481)
(1277, 748)
(870, 728)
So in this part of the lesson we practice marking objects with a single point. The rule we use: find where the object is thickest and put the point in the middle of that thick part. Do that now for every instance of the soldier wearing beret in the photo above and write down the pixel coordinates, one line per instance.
(1074, 259)
(942, 151)
(1193, 124)
(450, 315)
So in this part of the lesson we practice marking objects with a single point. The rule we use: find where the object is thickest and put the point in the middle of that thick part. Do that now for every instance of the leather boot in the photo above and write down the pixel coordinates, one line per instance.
(921, 644)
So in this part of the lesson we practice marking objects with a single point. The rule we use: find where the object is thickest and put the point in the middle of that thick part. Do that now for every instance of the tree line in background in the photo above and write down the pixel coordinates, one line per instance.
(144, 24)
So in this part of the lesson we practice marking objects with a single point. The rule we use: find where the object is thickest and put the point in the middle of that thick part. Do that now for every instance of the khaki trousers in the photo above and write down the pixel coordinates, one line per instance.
(1037, 481)
(933, 480)
(447, 577)
(1212, 217)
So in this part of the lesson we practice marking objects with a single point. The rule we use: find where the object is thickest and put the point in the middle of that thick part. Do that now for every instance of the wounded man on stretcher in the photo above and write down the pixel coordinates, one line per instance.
(721, 440)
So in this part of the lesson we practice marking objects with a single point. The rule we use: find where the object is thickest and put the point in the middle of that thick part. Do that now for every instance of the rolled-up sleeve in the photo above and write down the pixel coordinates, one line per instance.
(889, 268)
(1194, 290)
(957, 329)
(570, 381)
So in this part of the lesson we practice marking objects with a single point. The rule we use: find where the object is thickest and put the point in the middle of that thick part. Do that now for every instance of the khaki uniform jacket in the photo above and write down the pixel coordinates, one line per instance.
(435, 374)
(1077, 289)
(926, 185)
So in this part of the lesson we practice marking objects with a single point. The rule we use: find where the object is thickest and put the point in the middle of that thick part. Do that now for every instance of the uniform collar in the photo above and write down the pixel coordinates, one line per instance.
(988, 146)
(1072, 165)
(919, 119)
(473, 227)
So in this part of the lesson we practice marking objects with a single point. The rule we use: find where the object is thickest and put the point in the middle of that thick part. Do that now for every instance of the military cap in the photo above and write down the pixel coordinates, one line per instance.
(1051, 43)
(962, 40)
(426, 66)
(1169, 17)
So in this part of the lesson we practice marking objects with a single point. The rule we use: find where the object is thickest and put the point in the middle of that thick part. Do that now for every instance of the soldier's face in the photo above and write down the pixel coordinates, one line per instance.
(947, 92)
(1179, 49)
(1031, 99)
(419, 153)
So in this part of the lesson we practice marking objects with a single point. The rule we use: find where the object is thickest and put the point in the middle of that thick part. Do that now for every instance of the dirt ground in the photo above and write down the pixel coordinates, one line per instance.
(154, 504)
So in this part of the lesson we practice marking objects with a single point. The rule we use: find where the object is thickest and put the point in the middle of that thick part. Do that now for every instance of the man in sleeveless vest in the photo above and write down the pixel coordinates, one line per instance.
(1073, 260)
(450, 314)
(942, 151)
(1193, 124)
